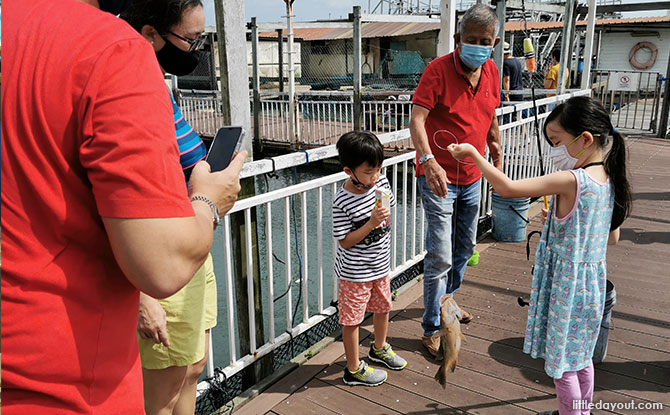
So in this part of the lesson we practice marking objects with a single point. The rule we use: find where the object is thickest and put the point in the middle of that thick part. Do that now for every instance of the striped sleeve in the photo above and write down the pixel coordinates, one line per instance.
(341, 223)
(191, 147)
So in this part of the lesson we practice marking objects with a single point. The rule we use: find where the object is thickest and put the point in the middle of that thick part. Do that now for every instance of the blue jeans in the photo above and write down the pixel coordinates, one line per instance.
(450, 242)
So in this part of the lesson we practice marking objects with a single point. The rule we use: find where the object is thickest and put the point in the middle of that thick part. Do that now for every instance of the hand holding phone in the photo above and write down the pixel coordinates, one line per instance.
(226, 143)
(219, 187)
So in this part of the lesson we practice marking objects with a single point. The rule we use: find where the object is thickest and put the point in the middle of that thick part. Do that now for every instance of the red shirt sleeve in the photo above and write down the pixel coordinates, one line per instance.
(428, 91)
(129, 148)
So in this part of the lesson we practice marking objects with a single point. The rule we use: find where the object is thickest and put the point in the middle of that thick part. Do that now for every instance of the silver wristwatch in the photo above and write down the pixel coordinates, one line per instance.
(425, 158)
(215, 210)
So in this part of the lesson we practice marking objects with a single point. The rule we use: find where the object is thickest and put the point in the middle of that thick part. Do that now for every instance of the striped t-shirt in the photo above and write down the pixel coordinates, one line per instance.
(369, 259)
(191, 147)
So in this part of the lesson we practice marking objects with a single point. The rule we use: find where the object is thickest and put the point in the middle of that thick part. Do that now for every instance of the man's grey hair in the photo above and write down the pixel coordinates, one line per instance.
(481, 15)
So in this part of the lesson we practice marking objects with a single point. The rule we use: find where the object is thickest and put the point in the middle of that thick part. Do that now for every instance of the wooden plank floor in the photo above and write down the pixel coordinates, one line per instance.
(493, 375)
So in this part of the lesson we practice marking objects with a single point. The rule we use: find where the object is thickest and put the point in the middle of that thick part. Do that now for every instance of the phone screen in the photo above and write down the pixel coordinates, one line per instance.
(226, 143)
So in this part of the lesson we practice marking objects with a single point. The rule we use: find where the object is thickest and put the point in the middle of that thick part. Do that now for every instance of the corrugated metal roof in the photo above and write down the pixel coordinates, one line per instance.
(391, 29)
(369, 30)
(518, 26)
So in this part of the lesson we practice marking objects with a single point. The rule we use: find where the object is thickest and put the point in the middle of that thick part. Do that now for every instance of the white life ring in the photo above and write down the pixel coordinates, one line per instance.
(643, 65)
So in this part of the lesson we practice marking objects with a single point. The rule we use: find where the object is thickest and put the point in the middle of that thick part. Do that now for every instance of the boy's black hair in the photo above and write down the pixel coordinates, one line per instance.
(556, 54)
(579, 114)
(358, 147)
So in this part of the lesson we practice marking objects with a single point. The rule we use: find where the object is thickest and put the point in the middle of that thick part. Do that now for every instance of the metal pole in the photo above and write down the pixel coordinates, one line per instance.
(256, 80)
(663, 125)
(588, 49)
(565, 46)
(445, 39)
(234, 71)
(599, 44)
(291, 75)
(280, 35)
(214, 84)
(223, 62)
(498, 52)
(357, 68)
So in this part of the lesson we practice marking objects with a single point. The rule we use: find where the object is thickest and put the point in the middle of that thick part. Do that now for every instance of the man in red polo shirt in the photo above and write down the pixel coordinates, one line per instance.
(455, 102)
(93, 206)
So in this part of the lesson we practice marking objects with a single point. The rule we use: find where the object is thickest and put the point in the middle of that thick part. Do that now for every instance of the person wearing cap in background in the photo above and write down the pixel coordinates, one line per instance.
(94, 207)
(512, 74)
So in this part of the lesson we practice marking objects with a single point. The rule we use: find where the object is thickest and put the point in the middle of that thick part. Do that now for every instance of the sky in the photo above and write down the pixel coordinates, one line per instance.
(309, 10)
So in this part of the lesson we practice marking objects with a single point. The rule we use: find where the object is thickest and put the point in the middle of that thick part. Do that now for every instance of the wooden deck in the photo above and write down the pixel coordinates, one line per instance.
(493, 375)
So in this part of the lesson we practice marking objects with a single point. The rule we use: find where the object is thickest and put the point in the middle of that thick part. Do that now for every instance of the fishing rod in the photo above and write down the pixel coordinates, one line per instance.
(529, 54)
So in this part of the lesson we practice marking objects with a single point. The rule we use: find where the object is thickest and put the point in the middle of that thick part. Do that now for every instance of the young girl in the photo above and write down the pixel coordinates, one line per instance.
(591, 200)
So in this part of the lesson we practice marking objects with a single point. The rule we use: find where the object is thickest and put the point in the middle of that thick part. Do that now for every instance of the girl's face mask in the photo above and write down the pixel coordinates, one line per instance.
(562, 158)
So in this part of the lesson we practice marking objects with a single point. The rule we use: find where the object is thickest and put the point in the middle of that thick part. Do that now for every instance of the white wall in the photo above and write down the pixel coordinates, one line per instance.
(268, 60)
(615, 48)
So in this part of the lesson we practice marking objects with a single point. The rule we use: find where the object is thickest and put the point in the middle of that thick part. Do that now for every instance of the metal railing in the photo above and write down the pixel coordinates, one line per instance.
(302, 211)
(202, 110)
(633, 104)
(322, 117)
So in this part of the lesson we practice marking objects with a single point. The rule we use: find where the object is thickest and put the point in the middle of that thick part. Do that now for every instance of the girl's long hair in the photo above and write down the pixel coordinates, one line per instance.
(579, 114)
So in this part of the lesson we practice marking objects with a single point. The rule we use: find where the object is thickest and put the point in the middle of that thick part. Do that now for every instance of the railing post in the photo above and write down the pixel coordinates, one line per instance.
(235, 105)
(280, 55)
(445, 41)
(565, 46)
(663, 125)
(357, 67)
(256, 81)
(588, 49)
(291, 75)
(498, 51)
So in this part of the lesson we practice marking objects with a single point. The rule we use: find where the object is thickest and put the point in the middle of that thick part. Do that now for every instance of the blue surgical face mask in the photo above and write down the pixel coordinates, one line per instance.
(474, 56)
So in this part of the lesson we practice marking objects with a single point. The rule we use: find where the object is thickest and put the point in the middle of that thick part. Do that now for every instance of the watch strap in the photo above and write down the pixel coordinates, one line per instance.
(425, 158)
(216, 219)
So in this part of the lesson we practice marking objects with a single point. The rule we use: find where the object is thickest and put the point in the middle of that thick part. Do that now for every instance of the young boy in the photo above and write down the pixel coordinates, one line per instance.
(363, 258)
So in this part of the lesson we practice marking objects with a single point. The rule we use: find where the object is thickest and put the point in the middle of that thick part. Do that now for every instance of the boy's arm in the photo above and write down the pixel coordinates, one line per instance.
(378, 216)
(356, 236)
(614, 237)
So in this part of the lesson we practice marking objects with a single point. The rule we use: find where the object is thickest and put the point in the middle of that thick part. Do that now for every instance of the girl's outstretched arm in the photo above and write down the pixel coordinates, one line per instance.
(614, 237)
(559, 183)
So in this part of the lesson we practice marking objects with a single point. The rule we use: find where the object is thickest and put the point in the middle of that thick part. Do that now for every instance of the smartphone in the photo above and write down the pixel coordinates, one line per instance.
(226, 143)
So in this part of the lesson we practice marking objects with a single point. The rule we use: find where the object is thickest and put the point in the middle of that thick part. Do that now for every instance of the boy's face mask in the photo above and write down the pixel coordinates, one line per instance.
(359, 184)
(562, 158)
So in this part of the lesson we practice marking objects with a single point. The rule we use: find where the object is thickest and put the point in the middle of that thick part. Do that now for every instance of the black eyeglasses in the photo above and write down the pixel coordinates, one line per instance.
(192, 43)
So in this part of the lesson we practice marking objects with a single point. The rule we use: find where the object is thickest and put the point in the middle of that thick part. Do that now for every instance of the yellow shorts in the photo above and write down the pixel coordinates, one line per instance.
(189, 312)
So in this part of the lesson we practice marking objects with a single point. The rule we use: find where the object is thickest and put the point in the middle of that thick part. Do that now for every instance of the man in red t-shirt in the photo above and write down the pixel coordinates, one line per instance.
(455, 102)
(93, 207)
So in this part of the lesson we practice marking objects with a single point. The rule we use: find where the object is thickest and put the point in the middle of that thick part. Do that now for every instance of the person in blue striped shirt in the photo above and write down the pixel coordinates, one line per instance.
(191, 147)
(173, 333)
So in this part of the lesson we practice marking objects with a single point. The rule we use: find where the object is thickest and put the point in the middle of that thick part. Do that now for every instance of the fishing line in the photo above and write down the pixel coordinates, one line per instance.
(532, 91)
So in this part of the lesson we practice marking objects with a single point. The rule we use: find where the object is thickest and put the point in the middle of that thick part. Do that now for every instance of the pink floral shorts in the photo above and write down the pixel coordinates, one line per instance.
(355, 298)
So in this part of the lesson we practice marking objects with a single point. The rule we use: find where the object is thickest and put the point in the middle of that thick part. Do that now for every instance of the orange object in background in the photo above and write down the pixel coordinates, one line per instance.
(529, 54)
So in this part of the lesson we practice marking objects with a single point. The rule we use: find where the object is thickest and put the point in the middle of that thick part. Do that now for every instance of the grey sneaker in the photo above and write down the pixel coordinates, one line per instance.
(387, 356)
(365, 375)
